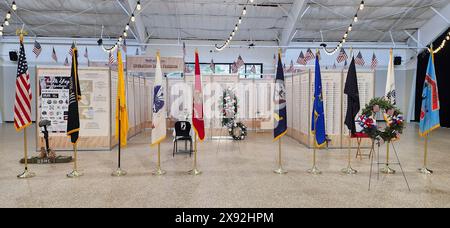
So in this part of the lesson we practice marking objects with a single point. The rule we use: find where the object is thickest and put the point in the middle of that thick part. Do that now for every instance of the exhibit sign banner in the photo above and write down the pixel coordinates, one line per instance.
(147, 64)
(94, 106)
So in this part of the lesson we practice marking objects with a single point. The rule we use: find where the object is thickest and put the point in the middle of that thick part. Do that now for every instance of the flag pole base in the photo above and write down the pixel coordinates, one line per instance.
(26, 174)
(74, 174)
(159, 172)
(280, 171)
(349, 171)
(387, 170)
(425, 170)
(195, 172)
(314, 171)
(119, 173)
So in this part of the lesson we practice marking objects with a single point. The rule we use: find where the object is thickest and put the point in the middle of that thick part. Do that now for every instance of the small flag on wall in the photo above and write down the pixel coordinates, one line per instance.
(71, 49)
(359, 60)
(374, 62)
(342, 56)
(124, 46)
(37, 49)
(111, 59)
(240, 62)
(86, 54)
(212, 65)
(301, 59)
(137, 51)
(54, 57)
(309, 55)
(253, 69)
(66, 62)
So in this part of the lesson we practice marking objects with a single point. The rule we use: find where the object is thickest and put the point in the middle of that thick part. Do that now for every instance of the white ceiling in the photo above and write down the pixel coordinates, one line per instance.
(214, 19)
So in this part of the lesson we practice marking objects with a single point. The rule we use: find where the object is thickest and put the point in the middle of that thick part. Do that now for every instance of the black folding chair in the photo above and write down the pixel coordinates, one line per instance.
(182, 133)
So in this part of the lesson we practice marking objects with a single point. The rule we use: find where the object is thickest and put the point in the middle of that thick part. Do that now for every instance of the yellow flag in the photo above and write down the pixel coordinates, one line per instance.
(122, 100)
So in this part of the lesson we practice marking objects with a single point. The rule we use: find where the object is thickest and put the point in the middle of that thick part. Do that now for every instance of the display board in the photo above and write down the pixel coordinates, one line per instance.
(334, 104)
(94, 106)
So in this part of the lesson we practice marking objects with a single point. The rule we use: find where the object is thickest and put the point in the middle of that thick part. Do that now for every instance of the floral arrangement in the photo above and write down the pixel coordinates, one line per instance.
(392, 115)
(229, 112)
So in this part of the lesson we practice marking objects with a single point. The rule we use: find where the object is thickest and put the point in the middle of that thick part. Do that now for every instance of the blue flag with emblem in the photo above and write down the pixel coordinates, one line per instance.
(280, 116)
(318, 115)
(429, 113)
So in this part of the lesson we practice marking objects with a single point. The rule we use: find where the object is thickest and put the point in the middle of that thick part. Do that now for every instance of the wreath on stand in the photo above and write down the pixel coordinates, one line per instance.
(392, 115)
(229, 107)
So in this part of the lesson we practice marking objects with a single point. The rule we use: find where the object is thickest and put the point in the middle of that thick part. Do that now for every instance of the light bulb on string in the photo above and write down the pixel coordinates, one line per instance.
(240, 20)
(1, 33)
(14, 6)
(350, 27)
(355, 19)
(1, 28)
(133, 18)
(251, 1)
(6, 22)
(125, 34)
(346, 35)
(236, 28)
(127, 27)
(361, 6)
(244, 12)
(8, 15)
(138, 6)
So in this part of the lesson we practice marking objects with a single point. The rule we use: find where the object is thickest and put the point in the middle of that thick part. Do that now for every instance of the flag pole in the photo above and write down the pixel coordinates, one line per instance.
(280, 169)
(424, 169)
(119, 172)
(349, 170)
(26, 173)
(75, 173)
(159, 171)
(314, 170)
(195, 171)
(387, 169)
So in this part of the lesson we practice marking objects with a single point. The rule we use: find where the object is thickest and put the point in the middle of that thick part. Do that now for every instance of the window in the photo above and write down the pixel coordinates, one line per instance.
(249, 70)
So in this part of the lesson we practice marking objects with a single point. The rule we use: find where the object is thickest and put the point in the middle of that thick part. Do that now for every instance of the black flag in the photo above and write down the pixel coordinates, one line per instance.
(351, 89)
(73, 119)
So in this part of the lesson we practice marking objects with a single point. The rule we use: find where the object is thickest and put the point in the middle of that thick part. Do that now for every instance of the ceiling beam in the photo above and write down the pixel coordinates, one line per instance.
(297, 11)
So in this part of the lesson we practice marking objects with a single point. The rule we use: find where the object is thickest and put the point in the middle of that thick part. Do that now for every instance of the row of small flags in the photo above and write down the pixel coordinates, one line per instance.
(37, 49)
(235, 66)
(303, 59)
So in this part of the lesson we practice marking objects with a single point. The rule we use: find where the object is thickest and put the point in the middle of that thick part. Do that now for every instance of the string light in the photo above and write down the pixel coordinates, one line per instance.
(6, 22)
(14, 6)
(138, 6)
(124, 34)
(8, 15)
(349, 29)
(236, 28)
(442, 46)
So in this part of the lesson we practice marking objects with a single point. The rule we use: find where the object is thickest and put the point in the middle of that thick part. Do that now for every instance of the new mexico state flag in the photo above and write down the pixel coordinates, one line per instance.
(121, 106)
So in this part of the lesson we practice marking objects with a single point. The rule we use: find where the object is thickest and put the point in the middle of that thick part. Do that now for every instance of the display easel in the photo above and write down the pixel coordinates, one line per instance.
(378, 163)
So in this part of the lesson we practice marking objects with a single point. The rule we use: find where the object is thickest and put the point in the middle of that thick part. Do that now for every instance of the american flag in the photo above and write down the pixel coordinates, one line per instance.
(291, 67)
(66, 62)
(37, 48)
(342, 56)
(111, 59)
(234, 68)
(86, 55)
(71, 49)
(239, 62)
(253, 69)
(124, 46)
(301, 59)
(22, 104)
(374, 62)
(54, 57)
(309, 55)
(359, 60)
(212, 65)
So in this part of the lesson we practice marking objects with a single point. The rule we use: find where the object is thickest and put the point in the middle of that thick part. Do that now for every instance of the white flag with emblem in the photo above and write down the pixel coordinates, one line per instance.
(390, 83)
(159, 105)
